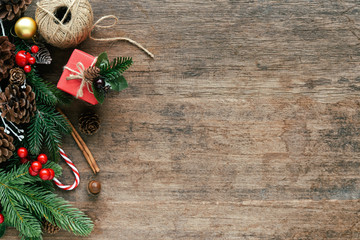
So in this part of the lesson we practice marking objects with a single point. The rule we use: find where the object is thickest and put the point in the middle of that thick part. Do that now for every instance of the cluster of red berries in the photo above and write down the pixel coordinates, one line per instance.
(36, 166)
(23, 58)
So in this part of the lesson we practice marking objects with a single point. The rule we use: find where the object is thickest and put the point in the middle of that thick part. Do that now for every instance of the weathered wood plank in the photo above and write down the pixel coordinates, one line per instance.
(246, 125)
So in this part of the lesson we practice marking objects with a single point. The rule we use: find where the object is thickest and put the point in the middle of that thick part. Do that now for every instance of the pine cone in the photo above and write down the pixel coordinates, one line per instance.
(91, 73)
(89, 123)
(7, 56)
(43, 56)
(49, 228)
(17, 104)
(6, 146)
(11, 9)
(17, 76)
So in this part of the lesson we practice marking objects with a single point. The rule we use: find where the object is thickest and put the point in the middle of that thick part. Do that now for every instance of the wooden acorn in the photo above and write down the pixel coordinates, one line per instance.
(94, 187)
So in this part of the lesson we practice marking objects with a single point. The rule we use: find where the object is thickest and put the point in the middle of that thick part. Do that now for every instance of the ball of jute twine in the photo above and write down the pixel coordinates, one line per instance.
(63, 34)
(75, 26)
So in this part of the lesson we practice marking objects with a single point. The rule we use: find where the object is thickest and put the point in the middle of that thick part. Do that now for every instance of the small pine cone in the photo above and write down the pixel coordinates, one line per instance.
(89, 123)
(17, 104)
(11, 9)
(17, 76)
(49, 228)
(7, 56)
(91, 73)
(6, 146)
(43, 56)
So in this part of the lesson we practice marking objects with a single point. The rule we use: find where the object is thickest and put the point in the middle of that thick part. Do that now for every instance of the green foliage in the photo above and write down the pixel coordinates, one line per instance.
(102, 60)
(45, 92)
(45, 128)
(25, 203)
(20, 44)
(118, 84)
(118, 65)
(27, 200)
(2, 229)
(112, 72)
(99, 94)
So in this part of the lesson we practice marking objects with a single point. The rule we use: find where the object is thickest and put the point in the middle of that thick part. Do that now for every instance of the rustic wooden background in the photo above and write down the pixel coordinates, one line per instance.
(245, 126)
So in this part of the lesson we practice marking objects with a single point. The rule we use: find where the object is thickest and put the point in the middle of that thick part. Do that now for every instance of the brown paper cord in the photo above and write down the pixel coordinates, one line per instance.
(75, 25)
(82, 145)
(80, 75)
(97, 24)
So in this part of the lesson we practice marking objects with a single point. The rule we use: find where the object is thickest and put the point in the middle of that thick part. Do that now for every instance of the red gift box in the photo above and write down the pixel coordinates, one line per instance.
(72, 86)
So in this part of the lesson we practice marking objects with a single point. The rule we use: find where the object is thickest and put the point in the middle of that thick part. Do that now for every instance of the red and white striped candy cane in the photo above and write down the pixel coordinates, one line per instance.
(75, 171)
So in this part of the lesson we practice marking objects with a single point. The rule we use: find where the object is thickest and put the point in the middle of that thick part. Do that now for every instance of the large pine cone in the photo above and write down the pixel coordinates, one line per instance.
(89, 123)
(7, 56)
(6, 146)
(49, 228)
(11, 9)
(17, 104)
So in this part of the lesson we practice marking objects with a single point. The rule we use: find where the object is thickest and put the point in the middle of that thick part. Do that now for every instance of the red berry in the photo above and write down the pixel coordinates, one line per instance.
(36, 166)
(52, 174)
(32, 172)
(44, 174)
(24, 160)
(31, 60)
(34, 49)
(21, 58)
(27, 68)
(1, 218)
(28, 55)
(22, 152)
(42, 158)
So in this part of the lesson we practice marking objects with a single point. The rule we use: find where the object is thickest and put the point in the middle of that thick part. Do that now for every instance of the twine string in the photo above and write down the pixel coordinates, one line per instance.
(80, 75)
(2, 27)
(97, 24)
(60, 23)
(59, 32)
(64, 34)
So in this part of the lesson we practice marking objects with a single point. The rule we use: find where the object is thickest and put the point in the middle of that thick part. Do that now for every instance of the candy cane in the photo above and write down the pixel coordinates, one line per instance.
(75, 171)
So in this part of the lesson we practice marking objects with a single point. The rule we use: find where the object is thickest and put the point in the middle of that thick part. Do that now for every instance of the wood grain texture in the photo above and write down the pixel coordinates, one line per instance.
(245, 126)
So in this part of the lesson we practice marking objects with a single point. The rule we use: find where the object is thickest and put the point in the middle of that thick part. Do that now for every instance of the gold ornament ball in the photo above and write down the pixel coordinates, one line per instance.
(25, 28)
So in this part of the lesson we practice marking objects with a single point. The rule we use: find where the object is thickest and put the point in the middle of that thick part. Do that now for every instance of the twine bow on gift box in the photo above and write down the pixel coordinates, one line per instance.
(81, 74)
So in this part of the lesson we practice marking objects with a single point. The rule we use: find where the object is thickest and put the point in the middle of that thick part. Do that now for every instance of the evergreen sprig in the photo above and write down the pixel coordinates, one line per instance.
(27, 200)
(45, 92)
(118, 65)
(25, 203)
(45, 128)
(112, 74)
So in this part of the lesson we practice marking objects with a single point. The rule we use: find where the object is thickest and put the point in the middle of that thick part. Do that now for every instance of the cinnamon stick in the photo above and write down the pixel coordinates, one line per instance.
(86, 149)
(83, 151)
(82, 145)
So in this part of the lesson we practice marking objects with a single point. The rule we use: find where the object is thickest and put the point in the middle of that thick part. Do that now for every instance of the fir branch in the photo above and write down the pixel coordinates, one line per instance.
(20, 45)
(46, 128)
(119, 65)
(26, 203)
(17, 215)
(112, 72)
(45, 92)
